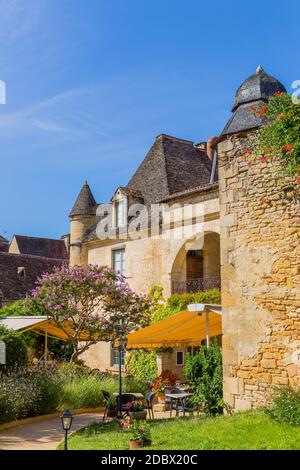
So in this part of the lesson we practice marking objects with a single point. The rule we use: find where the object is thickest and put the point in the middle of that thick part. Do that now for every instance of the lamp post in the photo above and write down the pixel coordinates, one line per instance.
(122, 343)
(66, 419)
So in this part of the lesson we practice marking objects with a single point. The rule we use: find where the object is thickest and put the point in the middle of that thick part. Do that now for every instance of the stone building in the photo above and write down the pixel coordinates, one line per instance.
(260, 267)
(237, 222)
(4, 244)
(24, 260)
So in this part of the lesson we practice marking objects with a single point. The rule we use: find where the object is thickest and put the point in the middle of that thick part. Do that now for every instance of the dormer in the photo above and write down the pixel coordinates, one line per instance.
(122, 200)
(120, 208)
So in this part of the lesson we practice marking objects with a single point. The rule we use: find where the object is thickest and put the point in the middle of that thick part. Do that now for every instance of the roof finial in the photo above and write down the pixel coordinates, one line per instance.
(259, 69)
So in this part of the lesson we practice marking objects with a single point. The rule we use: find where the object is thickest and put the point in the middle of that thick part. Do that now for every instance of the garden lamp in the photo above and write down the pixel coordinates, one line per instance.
(66, 419)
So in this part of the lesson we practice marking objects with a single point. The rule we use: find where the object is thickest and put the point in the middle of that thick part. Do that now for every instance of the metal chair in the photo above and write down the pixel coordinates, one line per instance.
(125, 399)
(106, 398)
(149, 403)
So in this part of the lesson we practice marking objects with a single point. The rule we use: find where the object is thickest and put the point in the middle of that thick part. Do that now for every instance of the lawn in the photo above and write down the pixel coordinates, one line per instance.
(252, 430)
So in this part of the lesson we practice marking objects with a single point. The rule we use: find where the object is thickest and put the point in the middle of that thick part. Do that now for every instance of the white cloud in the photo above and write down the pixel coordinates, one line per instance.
(33, 117)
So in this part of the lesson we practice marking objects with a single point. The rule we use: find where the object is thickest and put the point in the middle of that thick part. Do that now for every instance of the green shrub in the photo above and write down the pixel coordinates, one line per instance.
(28, 393)
(142, 365)
(81, 392)
(15, 346)
(33, 392)
(203, 370)
(179, 302)
(286, 405)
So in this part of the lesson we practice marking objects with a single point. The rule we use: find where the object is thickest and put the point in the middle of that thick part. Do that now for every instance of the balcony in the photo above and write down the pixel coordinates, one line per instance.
(196, 285)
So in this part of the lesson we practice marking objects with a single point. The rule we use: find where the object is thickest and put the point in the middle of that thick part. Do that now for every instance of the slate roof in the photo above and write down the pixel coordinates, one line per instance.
(15, 287)
(255, 89)
(4, 244)
(85, 203)
(45, 247)
(171, 165)
(188, 192)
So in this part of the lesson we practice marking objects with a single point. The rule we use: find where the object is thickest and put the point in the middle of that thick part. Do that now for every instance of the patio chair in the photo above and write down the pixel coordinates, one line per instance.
(126, 398)
(106, 398)
(149, 403)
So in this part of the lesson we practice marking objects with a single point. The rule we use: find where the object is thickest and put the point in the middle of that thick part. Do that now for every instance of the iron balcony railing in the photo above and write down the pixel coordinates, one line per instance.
(196, 285)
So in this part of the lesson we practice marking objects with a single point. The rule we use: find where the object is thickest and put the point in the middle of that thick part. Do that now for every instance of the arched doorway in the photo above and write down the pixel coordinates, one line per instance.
(197, 265)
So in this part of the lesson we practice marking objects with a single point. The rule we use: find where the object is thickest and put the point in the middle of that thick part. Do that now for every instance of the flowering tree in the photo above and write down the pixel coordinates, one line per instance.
(89, 304)
(280, 134)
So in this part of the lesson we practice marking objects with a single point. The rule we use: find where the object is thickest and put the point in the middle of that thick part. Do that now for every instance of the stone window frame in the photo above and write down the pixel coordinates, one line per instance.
(183, 357)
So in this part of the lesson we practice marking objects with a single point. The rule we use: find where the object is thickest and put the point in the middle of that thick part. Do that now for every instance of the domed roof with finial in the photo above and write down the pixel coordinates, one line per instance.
(255, 89)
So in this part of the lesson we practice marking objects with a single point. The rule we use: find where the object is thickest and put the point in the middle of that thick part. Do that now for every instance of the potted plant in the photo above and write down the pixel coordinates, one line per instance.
(137, 410)
(141, 435)
(165, 379)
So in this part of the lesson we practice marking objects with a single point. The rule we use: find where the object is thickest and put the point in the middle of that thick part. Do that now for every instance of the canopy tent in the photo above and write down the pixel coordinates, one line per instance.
(183, 329)
(41, 324)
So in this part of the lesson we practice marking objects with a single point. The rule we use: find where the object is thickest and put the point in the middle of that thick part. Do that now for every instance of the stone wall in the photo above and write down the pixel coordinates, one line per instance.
(167, 361)
(260, 254)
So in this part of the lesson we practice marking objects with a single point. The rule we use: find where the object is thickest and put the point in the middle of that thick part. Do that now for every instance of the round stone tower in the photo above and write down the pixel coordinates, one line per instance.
(82, 217)
(259, 260)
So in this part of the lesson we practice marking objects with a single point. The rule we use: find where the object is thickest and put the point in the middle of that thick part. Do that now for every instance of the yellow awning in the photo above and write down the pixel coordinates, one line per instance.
(183, 329)
(42, 325)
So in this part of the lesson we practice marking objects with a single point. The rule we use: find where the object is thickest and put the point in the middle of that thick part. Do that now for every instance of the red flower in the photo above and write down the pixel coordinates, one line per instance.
(278, 93)
(247, 150)
(262, 111)
(287, 148)
(264, 159)
(297, 179)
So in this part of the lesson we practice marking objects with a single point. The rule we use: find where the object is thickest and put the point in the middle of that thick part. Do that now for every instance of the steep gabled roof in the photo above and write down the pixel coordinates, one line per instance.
(172, 165)
(45, 247)
(85, 203)
(15, 286)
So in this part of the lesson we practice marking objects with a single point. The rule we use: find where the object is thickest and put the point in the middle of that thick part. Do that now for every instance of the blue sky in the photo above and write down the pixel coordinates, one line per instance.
(90, 83)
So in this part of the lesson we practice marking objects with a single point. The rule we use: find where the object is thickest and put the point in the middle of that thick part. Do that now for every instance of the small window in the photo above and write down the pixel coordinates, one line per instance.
(119, 261)
(120, 213)
(179, 358)
(21, 272)
(114, 358)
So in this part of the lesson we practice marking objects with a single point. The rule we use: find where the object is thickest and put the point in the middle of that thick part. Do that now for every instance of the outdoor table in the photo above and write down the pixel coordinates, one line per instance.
(138, 396)
(178, 397)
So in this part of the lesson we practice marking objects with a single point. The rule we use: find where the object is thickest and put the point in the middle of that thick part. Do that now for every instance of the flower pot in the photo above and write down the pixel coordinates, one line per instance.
(111, 413)
(161, 399)
(138, 444)
(138, 414)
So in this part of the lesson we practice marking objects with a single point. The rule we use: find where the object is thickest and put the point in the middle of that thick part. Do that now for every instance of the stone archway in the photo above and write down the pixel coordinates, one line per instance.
(196, 266)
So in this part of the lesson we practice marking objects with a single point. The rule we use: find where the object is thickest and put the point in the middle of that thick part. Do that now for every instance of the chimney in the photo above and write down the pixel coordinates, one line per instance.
(211, 147)
(201, 146)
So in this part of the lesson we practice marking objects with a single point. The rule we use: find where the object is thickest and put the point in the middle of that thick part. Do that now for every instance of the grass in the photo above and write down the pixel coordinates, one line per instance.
(251, 431)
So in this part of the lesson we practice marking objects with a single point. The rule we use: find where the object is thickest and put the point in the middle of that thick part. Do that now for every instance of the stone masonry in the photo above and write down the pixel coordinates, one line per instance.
(260, 252)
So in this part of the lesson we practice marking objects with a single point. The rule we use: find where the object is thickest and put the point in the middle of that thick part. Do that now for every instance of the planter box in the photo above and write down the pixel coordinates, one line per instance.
(138, 414)
(139, 444)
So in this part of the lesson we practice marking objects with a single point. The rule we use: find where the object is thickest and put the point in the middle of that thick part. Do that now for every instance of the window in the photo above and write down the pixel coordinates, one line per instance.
(21, 272)
(120, 213)
(114, 358)
(179, 358)
(119, 261)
